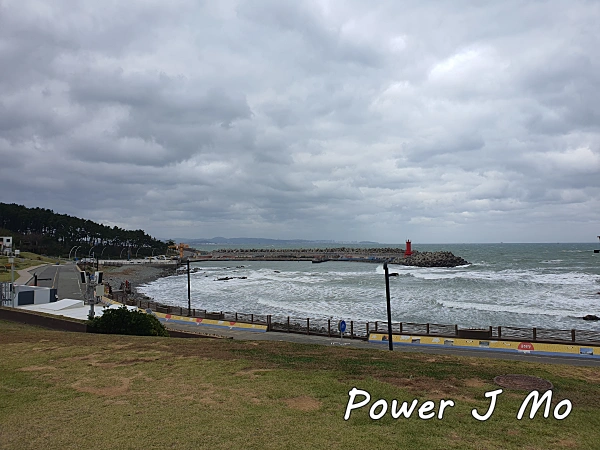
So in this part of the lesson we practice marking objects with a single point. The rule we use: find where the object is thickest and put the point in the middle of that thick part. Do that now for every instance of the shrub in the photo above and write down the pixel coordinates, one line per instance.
(125, 321)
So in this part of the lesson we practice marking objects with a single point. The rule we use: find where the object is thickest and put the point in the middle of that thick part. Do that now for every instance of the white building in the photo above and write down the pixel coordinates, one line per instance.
(5, 244)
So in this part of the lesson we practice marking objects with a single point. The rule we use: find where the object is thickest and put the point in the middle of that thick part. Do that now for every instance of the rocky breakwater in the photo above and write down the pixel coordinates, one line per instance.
(431, 259)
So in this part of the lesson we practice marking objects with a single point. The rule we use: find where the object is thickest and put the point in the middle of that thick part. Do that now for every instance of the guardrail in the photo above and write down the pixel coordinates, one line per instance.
(361, 330)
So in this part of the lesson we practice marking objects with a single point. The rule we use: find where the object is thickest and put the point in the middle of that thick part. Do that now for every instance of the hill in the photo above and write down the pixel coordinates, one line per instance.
(43, 231)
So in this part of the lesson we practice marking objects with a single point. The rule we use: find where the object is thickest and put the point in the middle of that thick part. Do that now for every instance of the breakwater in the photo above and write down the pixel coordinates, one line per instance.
(373, 255)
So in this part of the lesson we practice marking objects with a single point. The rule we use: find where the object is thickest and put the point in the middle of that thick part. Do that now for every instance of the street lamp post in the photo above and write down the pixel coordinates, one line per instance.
(11, 260)
(389, 309)
(75, 254)
(71, 251)
(98, 259)
(136, 252)
(189, 293)
(121, 254)
(91, 255)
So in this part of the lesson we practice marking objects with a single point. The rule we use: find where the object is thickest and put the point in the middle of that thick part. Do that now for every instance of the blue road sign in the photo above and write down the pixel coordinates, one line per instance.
(342, 326)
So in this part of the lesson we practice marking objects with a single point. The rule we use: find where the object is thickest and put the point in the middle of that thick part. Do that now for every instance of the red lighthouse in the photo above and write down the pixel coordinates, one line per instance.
(408, 251)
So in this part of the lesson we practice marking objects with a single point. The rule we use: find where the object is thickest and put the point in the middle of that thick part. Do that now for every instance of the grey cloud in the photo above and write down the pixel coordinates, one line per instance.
(305, 119)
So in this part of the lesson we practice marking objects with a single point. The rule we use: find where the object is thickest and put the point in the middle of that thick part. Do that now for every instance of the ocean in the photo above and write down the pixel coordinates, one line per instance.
(521, 285)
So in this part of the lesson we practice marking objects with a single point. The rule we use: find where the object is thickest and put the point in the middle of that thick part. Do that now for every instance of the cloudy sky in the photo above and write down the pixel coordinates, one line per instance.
(441, 122)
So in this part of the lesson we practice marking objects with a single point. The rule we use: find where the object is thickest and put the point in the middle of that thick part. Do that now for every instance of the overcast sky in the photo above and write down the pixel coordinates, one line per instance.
(455, 121)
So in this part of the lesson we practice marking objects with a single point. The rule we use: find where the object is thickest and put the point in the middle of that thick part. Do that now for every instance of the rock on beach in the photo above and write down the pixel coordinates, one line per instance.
(136, 275)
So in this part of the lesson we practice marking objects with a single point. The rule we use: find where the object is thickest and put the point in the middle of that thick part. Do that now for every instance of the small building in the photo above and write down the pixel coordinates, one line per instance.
(5, 244)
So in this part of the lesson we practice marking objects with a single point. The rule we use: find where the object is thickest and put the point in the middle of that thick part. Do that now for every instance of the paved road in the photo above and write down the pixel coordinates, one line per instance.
(65, 278)
(355, 343)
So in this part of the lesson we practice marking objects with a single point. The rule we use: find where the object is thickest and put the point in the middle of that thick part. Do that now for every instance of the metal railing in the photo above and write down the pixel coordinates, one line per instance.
(361, 330)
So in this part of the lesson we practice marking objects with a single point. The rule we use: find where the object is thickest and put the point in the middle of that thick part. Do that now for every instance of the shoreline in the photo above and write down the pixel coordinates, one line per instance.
(136, 275)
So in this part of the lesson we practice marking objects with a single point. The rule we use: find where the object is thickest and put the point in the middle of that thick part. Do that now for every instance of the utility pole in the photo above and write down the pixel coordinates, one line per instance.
(11, 260)
(389, 309)
(189, 292)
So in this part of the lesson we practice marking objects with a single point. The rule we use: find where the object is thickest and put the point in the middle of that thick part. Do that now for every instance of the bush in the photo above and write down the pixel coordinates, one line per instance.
(124, 321)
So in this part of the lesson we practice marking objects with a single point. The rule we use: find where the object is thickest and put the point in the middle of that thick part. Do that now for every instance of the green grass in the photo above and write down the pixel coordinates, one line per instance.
(24, 261)
(66, 390)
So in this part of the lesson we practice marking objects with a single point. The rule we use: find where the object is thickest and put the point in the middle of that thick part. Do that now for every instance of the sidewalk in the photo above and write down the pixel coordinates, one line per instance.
(26, 275)
(357, 343)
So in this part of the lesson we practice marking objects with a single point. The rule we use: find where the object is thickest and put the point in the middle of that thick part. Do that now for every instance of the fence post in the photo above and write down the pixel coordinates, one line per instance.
(288, 323)
(180, 311)
(573, 335)
(499, 332)
(367, 330)
(534, 333)
(376, 326)
(329, 327)
(455, 330)
(269, 322)
(400, 327)
(307, 325)
(351, 329)
(251, 318)
(427, 329)
(236, 316)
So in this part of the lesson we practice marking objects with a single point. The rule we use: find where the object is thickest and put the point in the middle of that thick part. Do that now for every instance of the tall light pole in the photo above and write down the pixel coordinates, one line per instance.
(75, 254)
(11, 260)
(389, 309)
(136, 252)
(121, 254)
(71, 251)
(189, 293)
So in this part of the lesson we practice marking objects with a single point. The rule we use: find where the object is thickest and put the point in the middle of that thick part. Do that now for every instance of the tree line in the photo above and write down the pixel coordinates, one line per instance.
(43, 231)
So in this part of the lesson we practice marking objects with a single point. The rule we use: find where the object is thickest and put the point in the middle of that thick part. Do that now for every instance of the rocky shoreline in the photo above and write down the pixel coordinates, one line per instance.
(136, 275)
(431, 259)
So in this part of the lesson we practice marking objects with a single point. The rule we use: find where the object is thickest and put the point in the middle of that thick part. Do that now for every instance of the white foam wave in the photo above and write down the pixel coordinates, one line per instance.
(508, 309)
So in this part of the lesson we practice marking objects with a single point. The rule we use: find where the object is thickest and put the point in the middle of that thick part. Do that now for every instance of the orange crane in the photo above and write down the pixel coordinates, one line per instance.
(180, 247)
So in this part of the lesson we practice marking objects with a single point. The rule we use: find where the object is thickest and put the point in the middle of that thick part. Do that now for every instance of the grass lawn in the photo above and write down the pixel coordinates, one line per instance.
(24, 261)
(65, 390)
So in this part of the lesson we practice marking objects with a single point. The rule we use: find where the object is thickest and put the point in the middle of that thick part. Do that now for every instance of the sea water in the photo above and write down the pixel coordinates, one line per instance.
(521, 285)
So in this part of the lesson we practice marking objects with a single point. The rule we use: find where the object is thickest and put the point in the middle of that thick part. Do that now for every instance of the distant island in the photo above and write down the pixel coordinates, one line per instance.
(266, 241)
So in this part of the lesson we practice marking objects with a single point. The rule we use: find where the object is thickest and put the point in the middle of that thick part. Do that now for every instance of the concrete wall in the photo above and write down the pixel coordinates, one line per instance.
(33, 295)
(30, 318)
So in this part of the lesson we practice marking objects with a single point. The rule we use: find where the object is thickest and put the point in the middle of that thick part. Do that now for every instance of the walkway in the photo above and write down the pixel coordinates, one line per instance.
(356, 343)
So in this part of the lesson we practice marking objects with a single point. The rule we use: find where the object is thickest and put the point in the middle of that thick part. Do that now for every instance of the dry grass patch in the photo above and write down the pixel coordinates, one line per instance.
(303, 403)
(117, 386)
(37, 369)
